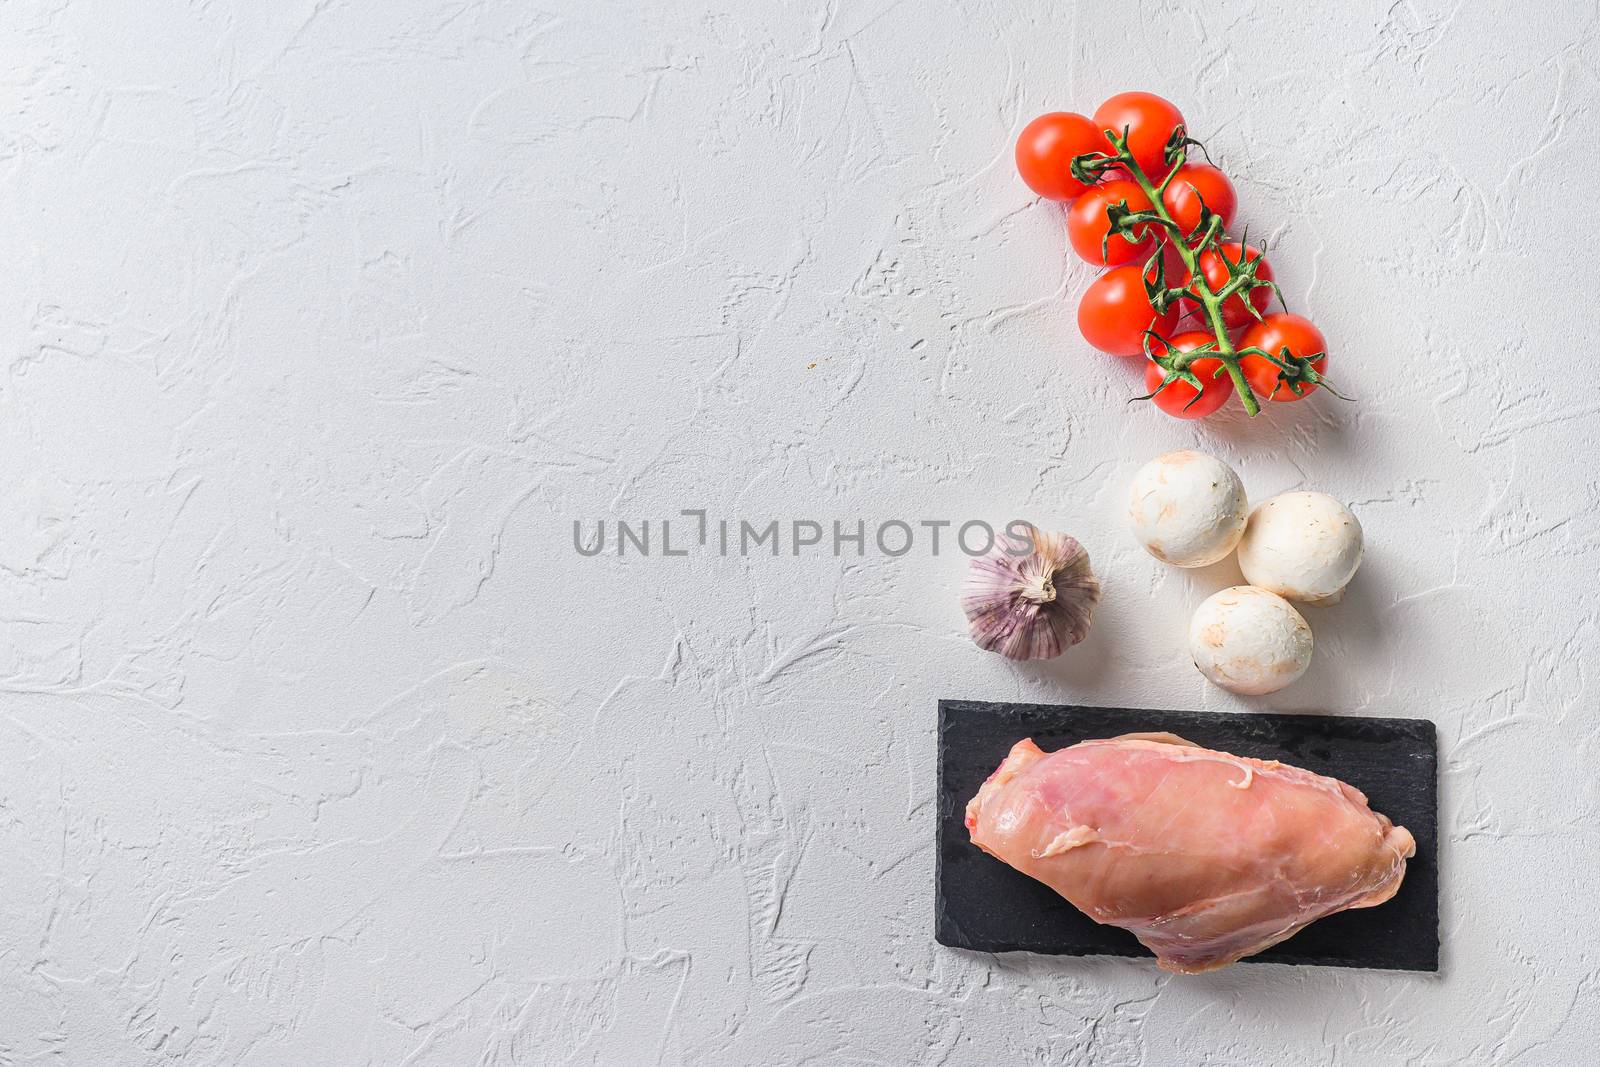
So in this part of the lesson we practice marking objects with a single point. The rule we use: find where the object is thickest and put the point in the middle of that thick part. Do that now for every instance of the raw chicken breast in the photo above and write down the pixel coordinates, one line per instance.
(1203, 856)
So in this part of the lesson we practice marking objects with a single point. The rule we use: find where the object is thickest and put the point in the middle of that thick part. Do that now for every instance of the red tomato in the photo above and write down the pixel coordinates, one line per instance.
(1087, 224)
(1115, 312)
(1149, 121)
(1193, 183)
(1180, 399)
(1045, 150)
(1274, 334)
(1215, 271)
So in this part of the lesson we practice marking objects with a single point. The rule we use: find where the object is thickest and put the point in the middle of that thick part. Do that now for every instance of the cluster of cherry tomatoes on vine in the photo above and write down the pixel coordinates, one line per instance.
(1178, 291)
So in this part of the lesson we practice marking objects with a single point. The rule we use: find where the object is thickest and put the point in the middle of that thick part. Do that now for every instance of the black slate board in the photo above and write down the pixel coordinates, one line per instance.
(982, 904)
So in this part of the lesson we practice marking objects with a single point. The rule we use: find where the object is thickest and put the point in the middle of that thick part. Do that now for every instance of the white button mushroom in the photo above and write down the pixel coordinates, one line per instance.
(1302, 546)
(1249, 640)
(1187, 508)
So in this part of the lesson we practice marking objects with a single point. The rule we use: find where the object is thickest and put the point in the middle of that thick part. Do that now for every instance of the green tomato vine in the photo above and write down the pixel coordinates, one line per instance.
(1295, 373)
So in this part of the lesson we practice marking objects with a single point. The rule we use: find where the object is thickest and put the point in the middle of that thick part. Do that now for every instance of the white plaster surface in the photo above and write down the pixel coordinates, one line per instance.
(320, 744)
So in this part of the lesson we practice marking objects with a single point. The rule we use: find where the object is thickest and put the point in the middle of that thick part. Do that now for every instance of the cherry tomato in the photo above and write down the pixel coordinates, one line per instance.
(1149, 121)
(1087, 224)
(1045, 150)
(1180, 399)
(1215, 271)
(1115, 312)
(1193, 183)
(1273, 334)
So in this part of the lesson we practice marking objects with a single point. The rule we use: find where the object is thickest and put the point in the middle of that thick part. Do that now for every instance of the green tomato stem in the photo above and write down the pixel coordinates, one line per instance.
(1209, 299)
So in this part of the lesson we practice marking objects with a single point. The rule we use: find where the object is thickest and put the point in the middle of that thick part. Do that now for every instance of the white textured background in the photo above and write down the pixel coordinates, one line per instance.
(321, 322)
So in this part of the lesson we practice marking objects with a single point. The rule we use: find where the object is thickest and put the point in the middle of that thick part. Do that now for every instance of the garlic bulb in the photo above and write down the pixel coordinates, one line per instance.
(1030, 598)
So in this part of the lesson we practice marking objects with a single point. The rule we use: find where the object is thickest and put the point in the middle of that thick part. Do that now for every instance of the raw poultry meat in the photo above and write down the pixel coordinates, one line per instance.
(1205, 857)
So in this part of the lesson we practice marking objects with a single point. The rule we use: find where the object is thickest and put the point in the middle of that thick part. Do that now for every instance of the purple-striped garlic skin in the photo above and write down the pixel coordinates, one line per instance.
(1033, 605)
